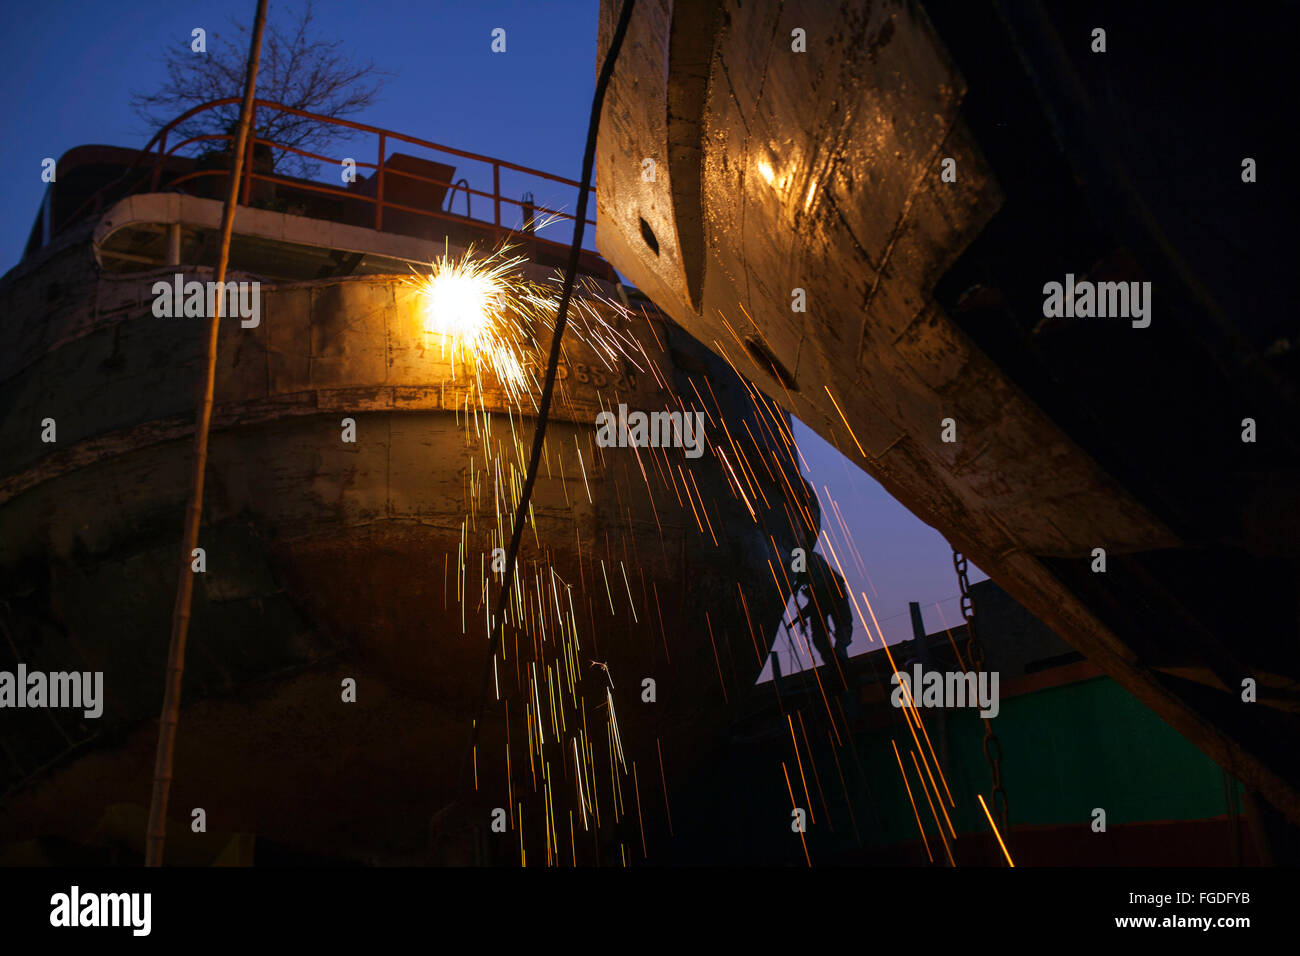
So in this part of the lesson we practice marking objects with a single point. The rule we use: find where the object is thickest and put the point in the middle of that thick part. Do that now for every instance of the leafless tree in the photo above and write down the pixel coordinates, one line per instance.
(298, 69)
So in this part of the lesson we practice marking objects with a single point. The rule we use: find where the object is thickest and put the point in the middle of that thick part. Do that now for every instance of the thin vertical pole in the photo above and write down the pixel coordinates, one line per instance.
(379, 184)
(248, 158)
(162, 774)
(496, 190)
(157, 163)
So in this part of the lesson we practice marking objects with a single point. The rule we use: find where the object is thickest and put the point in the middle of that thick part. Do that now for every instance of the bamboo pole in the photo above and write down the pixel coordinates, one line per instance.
(162, 773)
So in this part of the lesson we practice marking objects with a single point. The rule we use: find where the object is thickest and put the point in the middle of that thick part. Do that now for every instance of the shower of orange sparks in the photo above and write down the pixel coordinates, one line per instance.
(795, 806)
(461, 310)
(924, 839)
(984, 806)
(937, 824)
(846, 422)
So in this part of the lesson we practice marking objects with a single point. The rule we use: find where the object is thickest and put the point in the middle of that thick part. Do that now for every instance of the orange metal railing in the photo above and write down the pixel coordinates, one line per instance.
(157, 150)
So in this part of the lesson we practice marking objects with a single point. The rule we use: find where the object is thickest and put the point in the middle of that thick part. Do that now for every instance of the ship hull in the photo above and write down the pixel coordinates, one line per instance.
(866, 204)
(359, 479)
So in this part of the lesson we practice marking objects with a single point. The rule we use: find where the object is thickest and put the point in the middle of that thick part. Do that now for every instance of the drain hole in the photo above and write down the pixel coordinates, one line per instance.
(648, 235)
(762, 355)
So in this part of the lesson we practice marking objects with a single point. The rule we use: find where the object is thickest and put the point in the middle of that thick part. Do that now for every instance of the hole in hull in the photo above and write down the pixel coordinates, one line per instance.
(649, 236)
(763, 356)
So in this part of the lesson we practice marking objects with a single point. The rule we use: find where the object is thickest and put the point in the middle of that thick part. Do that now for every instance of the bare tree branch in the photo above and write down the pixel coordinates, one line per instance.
(299, 69)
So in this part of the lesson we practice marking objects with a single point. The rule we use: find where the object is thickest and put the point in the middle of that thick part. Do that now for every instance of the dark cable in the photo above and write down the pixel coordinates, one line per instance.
(543, 412)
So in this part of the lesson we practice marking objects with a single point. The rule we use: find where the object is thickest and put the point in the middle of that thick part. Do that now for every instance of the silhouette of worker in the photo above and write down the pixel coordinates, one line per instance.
(826, 606)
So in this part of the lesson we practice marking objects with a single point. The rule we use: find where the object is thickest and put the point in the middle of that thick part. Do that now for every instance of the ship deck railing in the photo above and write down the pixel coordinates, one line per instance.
(148, 172)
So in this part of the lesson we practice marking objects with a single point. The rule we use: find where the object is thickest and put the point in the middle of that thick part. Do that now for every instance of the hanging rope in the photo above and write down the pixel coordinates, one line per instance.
(553, 361)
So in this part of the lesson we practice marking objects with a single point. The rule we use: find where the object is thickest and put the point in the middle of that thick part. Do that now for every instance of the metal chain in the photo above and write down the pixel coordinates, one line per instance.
(975, 652)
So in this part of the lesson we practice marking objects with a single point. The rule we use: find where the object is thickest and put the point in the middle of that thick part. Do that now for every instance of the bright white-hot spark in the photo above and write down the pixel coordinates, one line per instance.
(482, 309)
(488, 314)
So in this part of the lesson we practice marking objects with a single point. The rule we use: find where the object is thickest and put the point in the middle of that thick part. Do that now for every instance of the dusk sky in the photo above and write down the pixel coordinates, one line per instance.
(529, 105)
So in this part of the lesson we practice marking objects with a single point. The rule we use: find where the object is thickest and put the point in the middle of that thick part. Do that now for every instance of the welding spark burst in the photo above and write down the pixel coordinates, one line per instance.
(489, 317)
(484, 312)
